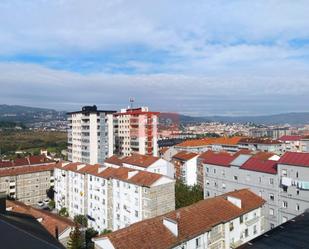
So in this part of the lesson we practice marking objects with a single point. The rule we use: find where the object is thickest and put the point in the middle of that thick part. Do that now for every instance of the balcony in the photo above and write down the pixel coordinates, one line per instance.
(252, 221)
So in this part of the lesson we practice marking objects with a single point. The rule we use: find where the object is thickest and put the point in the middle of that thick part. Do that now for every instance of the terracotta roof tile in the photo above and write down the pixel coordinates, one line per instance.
(295, 158)
(253, 140)
(20, 170)
(290, 138)
(210, 141)
(114, 160)
(219, 159)
(192, 221)
(140, 160)
(144, 178)
(49, 220)
(185, 155)
(257, 164)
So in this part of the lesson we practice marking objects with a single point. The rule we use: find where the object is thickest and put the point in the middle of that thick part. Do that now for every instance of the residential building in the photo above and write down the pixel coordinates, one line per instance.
(222, 222)
(136, 131)
(291, 143)
(90, 135)
(27, 184)
(111, 197)
(185, 164)
(142, 162)
(304, 144)
(293, 174)
(59, 227)
(26, 161)
(260, 144)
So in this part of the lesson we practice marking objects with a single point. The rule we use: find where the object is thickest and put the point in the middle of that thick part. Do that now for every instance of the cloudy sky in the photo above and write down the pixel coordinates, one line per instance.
(224, 57)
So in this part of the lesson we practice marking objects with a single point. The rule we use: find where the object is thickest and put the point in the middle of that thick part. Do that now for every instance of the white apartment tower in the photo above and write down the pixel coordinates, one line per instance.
(136, 131)
(90, 135)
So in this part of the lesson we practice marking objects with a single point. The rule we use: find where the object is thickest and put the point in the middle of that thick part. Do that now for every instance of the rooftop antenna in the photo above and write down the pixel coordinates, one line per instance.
(131, 102)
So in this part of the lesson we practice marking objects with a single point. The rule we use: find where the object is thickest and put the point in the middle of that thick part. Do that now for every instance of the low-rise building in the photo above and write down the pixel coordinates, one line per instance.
(222, 222)
(111, 197)
(27, 184)
(304, 144)
(261, 144)
(185, 164)
(291, 143)
(142, 162)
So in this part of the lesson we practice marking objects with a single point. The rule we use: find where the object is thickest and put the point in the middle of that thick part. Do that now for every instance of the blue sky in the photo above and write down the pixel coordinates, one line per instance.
(205, 57)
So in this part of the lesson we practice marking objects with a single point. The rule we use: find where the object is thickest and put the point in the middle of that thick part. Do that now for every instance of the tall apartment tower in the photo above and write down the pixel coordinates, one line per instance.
(90, 135)
(136, 131)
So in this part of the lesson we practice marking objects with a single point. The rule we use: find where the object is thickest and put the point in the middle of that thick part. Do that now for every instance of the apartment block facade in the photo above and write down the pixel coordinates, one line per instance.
(90, 135)
(136, 131)
(222, 222)
(112, 198)
(266, 178)
(27, 184)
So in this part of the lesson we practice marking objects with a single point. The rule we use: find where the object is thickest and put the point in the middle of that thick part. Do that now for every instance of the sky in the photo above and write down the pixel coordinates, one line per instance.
(210, 57)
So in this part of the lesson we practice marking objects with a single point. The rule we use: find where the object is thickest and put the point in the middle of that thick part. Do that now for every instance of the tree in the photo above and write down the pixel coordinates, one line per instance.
(90, 233)
(51, 204)
(187, 195)
(105, 231)
(50, 193)
(76, 240)
(63, 212)
(81, 220)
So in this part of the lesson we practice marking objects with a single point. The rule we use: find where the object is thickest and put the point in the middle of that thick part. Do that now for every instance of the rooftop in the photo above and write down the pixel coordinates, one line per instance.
(21, 170)
(219, 159)
(192, 221)
(210, 141)
(30, 160)
(290, 138)
(184, 155)
(257, 140)
(259, 165)
(290, 235)
(295, 158)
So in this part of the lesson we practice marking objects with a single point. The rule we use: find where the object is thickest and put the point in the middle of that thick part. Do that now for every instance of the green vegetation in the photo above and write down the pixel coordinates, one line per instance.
(90, 233)
(105, 231)
(186, 195)
(51, 204)
(81, 220)
(63, 212)
(31, 142)
(11, 125)
(76, 240)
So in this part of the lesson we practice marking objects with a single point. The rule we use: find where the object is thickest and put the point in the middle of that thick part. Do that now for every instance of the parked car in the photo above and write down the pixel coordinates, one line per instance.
(46, 201)
(40, 204)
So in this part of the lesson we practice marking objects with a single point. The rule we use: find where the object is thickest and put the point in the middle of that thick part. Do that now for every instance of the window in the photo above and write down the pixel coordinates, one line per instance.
(246, 233)
(284, 219)
(231, 226)
(296, 174)
(215, 171)
(207, 169)
(235, 178)
(297, 207)
(136, 213)
(207, 182)
(223, 172)
(285, 204)
(254, 229)
(271, 211)
(284, 172)
(198, 243)
(223, 186)
(272, 226)
(271, 197)
(260, 179)
(271, 181)
(241, 219)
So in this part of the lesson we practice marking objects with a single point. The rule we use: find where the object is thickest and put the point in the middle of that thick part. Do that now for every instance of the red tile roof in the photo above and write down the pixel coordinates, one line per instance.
(259, 165)
(263, 155)
(31, 160)
(210, 141)
(184, 155)
(295, 158)
(21, 170)
(219, 159)
(192, 221)
(253, 140)
(49, 221)
(290, 138)
(114, 160)
(140, 160)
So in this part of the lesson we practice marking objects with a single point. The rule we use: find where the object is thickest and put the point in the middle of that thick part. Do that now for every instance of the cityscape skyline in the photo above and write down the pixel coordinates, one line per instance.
(201, 58)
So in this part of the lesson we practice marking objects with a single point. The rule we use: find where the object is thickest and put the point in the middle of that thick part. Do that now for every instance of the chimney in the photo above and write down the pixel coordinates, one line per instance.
(2, 202)
(171, 225)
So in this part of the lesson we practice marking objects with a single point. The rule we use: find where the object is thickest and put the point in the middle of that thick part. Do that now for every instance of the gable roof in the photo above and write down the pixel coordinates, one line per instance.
(210, 141)
(256, 164)
(219, 159)
(258, 140)
(140, 160)
(184, 155)
(192, 221)
(21, 170)
(290, 138)
(295, 158)
(114, 160)
(49, 221)
(30, 160)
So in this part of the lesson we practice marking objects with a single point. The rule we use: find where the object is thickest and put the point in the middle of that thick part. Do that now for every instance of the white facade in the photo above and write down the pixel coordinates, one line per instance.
(111, 198)
(90, 135)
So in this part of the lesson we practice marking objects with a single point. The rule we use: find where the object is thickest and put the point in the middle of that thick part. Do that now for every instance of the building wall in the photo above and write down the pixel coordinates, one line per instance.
(27, 188)
(219, 180)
